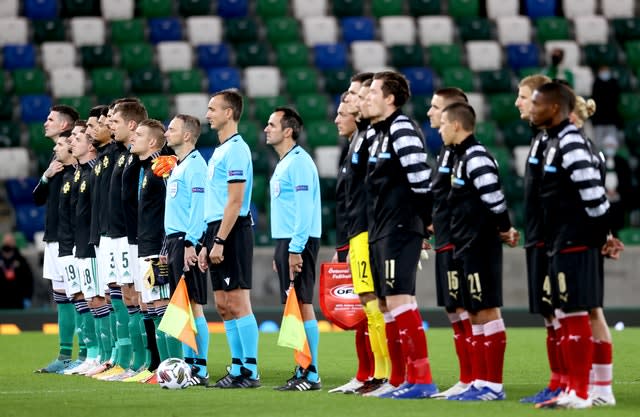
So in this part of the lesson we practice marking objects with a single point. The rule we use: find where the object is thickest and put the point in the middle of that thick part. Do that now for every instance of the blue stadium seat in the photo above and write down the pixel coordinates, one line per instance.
(420, 80)
(540, 8)
(30, 219)
(522, 56)
(432, 138)
(330, 56)
(210, 56)
(19, 190)
(358, 29)
(165, 29)
(222, 78)
(206, 151)
(41, 9)
(34, 108)
(233, 8)
(18, 56)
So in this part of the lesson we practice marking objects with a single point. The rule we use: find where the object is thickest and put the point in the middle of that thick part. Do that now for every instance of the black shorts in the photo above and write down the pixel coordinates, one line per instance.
(539, 281)
(482, 275)
(394, 263)
(448, 279)
(577, 279)
(195, 279)
(235, 270)
(305, 281)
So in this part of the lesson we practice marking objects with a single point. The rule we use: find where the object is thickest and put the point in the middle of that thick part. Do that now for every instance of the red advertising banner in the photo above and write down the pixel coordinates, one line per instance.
(339, 303)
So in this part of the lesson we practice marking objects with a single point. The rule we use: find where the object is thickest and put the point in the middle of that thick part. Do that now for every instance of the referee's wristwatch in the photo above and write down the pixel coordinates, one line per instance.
(219, 241)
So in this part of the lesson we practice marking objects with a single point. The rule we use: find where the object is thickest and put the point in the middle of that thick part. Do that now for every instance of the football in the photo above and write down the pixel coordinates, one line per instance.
(173, 373)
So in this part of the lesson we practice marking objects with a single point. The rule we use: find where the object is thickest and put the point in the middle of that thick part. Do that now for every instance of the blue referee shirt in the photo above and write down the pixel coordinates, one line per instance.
(184, 207)
(295, 200)
(230, 162)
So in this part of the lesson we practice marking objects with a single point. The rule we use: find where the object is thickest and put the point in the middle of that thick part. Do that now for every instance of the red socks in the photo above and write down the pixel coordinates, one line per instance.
(363, 350)
(461, 334)
(414, 344)
(579, 348)
(495, 344)
(394, 345)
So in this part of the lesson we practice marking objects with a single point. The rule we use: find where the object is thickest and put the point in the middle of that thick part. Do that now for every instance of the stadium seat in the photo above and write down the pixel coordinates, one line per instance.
(460, 77)
(67, 82)
(630, 235)
(397, 30)
(210, 56)
(614, 9)
(421, 80)
(87, 31)
(97, 56)
(520, 157)
(7, 106)
(336, 81)
(292, 54)
(73, 8)
(402, 56)
(263, 107)
(108, 82)
(326, 158)
(624, 76)
(164, 29)
(445, 56)
(626, 29)
(486, 133)
(250, 132)
(522, 56)
(477, 101)
(232, 8)
(496, 81)
(29, 217)
(319, 30)
(629, 106)
(268, 9)
(433, 30)
(37, 141)
(136, 55)
(18, 56)
(484, 55)
(157, 106)
(330, 56)
(420, 105)
(424, 7)
(502, 108)
(117, 9)
(502, 8)
(34, 108)
(360, 28)
(551, 29)
(194, 8)
(29, 81)
(39, 9)
(464, 8)
(259, 197)
(381, 8)
(305, 8)
(300, 80)
(591, 29)
(570, 48)
(128, 31)
(513, 29)
(537, 9)
(321, 133)
(262, 81)
(146, 80)
(368, 55)
(222, 78)
(9, 8)
(58, 55)
(475, 29)
(574, 8)
(156, 8)
(204, 30)
(346, 8)
(174, 55)
(20, 190)
(185, 81)
(82, 104)
(312, 107)
(504, 159)
(282, 30)
(194, 104)
(14, 31)
(48, 31)
(252, 54)
(9, 134)
(604, 54)
(516, 133)
(239, 30)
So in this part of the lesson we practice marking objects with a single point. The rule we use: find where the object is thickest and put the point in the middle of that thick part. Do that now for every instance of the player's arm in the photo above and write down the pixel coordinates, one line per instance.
(230, 215)
(41, 191)
(302, 180)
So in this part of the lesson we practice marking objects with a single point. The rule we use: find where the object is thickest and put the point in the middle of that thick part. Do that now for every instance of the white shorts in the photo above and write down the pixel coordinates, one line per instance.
(106, 272)
(121, 260)
(51, 268)
(89, 277)
(151, 293)
(72, 275)
(134, 268)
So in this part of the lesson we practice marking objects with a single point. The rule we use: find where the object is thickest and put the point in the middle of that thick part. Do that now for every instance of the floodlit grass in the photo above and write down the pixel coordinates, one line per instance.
(23, 393)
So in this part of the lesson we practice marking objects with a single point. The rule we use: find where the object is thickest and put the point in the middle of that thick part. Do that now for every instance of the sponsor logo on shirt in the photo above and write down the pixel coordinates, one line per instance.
(173, 189)
(302, 188)
(197, 190)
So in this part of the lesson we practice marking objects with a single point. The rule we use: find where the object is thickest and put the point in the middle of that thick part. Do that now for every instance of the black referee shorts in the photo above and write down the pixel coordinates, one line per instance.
(195, 279)
(305, 281)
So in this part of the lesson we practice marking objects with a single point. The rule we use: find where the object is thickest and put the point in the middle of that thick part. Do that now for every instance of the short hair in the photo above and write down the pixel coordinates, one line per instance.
(117, 101)
(463, 113)
(82, 124)
(584, 109)
(453, 94)
(361, 77)
(191, 124)
(131, 110)
(156, 128)
(559, 94)
(366, 83)
(97, 111)
(65, 134)
(67, 112)
(394, 83)
(534, 81)
(233, 98)
(291, 119)
(343, 97)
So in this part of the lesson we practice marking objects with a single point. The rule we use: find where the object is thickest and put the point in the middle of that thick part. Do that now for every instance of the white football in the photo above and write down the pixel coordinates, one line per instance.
(173, 373)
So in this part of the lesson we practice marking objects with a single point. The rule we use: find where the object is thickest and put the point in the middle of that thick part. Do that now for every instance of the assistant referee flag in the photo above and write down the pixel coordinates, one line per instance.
(178, 319)
(292, 334)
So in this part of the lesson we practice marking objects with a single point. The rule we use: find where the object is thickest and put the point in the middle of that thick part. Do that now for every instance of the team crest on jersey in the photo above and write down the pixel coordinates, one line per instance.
(83, 186)
(105, 161)
(97, 169)
(276, 188)
(173, 189)
(76, 176)
(67, 187)
(121, 160)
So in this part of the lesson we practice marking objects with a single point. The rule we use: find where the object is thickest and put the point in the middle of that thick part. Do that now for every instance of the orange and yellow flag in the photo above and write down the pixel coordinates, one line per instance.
(292, 334)
(178, 319)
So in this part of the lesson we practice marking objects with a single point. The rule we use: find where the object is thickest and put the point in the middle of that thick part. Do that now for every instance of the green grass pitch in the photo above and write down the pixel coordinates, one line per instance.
(23, 393)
